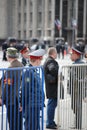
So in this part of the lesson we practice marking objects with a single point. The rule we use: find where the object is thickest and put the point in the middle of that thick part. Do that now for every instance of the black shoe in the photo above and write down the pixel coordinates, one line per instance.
(51, 127)
(55, 124)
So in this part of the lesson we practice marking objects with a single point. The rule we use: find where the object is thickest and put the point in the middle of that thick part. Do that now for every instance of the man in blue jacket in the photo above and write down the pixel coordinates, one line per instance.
(33, 95)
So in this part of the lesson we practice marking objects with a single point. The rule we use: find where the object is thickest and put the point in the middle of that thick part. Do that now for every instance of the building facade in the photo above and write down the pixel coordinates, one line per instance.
(27, 19)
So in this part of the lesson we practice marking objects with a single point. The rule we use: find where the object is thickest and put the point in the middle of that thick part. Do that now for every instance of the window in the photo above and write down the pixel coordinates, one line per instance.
(25, 2)
(80, 18)
(49, 16)
(19, 34)
(49, 32)
(39, 33)
(19, 18)
(31, 4)
(19, 2)
(25, 18)
(30, 33)
(50, 2)
(39, 2)
(24, 34)
(39, 17)
(31, 17)
(49, 19)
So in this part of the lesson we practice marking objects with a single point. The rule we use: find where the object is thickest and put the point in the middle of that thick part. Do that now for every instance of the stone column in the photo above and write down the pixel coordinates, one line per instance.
(3, 19)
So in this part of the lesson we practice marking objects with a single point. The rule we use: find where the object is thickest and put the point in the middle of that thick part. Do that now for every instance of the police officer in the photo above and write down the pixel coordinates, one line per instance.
(33, 92)
(25, 58)
(76, 87)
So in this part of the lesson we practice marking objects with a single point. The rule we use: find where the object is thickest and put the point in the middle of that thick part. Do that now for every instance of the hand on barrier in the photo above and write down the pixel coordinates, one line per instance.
(85, 100)
(20, 109)
(0, 102)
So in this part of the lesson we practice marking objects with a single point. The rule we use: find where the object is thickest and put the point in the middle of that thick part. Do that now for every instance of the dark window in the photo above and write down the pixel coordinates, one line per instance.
(19, 34)
(49, 15)
(19, 2)
(39, 17)
(64, 18)
(31, 17)
(25, 2)
(80, 18)
(49, 33)
(30, 33)
(57, 11)
(19, 18)
(25, 34)
(25, 18)
(39, 33)
(50, 3)
(86, 22)
(40, 2)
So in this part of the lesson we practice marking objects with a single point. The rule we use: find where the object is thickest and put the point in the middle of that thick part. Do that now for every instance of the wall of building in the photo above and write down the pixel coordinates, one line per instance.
(27, 19)
(3, 19)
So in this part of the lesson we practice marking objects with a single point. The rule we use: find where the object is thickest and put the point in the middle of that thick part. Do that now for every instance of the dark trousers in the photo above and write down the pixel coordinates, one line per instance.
(4, 55)
(51, 106)
(32, 118)
(14, 117)
(79, 114)
(77, 109)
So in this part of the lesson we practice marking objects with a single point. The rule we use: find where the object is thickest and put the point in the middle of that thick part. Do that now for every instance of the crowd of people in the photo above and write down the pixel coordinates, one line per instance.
(51, 68)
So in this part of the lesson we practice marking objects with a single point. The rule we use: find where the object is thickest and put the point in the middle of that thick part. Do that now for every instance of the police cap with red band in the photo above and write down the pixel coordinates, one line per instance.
(37, 54)
(24, 50)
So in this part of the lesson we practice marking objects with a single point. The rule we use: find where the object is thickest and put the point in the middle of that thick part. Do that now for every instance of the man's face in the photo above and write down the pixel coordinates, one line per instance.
(74, 56)
(25, 55)
(86, 56)
(38, 62)
(55, 54)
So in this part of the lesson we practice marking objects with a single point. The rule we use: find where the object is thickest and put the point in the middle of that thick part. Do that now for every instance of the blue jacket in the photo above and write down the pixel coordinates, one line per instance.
(33, 94)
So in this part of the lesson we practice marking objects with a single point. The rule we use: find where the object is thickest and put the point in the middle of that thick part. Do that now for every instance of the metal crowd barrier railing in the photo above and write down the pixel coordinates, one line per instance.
(72, 97)
(22, 98)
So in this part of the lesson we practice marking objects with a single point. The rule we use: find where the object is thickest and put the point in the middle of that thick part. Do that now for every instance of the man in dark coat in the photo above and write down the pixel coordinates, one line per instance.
(76, 80)
(10, 92)
(51, 83)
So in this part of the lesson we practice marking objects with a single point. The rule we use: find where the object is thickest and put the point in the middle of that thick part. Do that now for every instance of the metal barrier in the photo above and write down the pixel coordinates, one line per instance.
(72, 97)
(22, 95)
